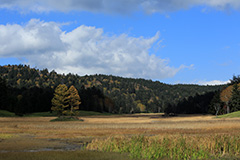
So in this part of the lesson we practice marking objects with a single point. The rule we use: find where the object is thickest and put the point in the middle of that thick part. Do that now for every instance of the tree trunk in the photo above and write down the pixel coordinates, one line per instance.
(228, 109)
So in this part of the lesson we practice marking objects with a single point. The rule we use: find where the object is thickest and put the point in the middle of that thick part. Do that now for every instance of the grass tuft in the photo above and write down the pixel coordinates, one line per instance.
(171, 147)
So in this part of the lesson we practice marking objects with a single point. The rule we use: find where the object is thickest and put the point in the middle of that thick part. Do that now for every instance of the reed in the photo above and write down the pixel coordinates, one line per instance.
(171, 147)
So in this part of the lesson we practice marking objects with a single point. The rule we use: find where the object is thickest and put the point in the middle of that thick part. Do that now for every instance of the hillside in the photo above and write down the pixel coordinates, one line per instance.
(126, 94)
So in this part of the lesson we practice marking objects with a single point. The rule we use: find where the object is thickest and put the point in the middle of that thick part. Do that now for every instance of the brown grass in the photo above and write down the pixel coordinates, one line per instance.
(39, 132)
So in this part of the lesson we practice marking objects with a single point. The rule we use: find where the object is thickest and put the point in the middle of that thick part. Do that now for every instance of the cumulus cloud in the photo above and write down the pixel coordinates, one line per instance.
(119, 6)
(35, 37)
(84, 50)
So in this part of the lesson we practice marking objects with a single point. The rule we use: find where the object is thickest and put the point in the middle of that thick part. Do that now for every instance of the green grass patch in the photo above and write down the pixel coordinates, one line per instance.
(4, 113)
(64, 155)
(231, 115)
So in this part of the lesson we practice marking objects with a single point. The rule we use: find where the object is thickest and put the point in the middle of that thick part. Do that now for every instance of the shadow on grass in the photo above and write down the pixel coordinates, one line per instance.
(66, 118)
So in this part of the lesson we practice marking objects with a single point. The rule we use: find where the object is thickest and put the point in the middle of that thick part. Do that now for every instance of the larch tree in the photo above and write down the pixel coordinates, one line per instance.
(60, 101)
(74, 100)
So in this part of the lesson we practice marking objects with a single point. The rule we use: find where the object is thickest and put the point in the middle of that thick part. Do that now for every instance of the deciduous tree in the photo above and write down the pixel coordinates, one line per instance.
(60, 100)
(74, 100)
(231, 97)
(226, 95)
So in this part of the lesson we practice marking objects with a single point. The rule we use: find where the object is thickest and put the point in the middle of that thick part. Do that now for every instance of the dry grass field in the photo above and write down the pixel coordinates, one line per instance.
(20, 134)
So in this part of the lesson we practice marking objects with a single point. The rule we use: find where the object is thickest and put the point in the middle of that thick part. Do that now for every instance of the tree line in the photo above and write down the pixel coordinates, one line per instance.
(29, 100)
(31, 90)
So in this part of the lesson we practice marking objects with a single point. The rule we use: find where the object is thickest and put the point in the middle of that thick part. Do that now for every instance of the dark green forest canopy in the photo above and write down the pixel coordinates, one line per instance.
(128, 94)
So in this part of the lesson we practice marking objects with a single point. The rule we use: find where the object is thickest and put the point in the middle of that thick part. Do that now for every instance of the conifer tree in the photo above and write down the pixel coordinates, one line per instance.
(74, 100)
(3, 93)
(60, 100)
(216, 105)
(235, 99)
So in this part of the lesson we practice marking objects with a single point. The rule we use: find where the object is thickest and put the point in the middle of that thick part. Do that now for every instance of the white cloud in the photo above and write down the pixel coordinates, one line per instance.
(84, 50)
(35, 37)
(213, 82)
(119, 6)
(204, 82)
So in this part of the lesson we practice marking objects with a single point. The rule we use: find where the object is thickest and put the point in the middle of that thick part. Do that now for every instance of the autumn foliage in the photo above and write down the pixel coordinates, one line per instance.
(74, 100)
(60, 101)
(226, 94)
(65, 101)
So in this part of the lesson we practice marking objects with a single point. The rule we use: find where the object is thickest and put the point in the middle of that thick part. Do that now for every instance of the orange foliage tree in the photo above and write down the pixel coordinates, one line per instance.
(226, 96)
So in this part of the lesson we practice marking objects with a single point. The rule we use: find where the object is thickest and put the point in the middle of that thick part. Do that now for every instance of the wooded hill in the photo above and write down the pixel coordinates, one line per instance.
(104, 93)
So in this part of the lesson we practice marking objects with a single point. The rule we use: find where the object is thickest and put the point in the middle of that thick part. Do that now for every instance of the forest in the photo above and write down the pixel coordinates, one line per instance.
(26, 90)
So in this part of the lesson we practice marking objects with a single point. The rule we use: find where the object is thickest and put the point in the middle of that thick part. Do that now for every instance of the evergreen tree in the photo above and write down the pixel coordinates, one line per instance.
(60, 100)
(74, 100)
(235, 99)
(215, 104)
(3, 93)
(19, 108)
(123, 92)
(235, 79)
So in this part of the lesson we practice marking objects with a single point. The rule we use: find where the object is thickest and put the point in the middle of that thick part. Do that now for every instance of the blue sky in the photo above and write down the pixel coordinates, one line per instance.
(188, 41)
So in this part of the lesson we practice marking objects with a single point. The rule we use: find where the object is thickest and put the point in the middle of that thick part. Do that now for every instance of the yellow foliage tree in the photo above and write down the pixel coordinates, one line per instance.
(141, 107)
(60, 99)
(74, 100)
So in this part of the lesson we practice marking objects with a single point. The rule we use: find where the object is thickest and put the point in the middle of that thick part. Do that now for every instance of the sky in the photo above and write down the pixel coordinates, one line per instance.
(171, 41)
